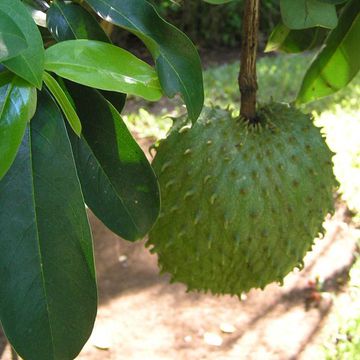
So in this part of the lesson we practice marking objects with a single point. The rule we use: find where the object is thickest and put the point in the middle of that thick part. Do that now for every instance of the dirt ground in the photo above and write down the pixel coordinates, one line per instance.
(143, 317)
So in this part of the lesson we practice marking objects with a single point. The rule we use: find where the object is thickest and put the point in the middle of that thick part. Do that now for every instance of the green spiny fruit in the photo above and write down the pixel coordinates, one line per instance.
(241, 203)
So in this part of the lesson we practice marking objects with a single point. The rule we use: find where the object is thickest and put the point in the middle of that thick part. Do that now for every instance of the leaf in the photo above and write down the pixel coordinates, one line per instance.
(118, 100)
(176, 59)
(119, 184)
(217, 2)
(303, 14)
(293, 41)
(38, 16)
(338, 62)
(333, 2)
(71, 22)
(29, 64)
(84, 62)
(41, 5)
(17, 107)
(5, 77)
(48, 294)
(12, 40)
(63, 102)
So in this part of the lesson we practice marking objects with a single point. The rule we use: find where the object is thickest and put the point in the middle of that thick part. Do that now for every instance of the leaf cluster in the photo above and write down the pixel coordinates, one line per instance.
(214, 27)
(334, 25)
(58, 63)
(64, 144)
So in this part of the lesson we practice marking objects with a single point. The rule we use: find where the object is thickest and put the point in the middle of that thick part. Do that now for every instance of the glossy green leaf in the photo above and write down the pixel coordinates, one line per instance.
(71, 22)
(12, 39)
(48, 294)
(117, 180)
(63, 102)
(293, 41)
(17, 107)
(338, 62)
(303, 14)
(84, 62)
(29, 64)
(176, 59)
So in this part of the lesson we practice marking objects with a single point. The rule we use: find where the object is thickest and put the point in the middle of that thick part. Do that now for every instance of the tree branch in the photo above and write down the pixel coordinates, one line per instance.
(247, 77)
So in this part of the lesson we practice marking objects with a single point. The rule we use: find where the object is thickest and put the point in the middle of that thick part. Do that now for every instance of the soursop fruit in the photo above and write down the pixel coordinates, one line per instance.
(241, 203)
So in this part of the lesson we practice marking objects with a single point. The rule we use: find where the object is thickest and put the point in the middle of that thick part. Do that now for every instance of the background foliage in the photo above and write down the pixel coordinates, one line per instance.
(211, 26)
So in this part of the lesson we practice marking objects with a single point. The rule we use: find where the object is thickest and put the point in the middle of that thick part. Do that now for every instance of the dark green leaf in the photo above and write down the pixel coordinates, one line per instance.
(17, 107)
(29, 64)
(338, 62)
(293, 41)
(333, 2)
(118, 183)
(5, 77)
(63, 102)
(176, 59)
(12, 40)
(71, 21)
(118, 100)
(48, 294)
(303, 14)
(84, 62)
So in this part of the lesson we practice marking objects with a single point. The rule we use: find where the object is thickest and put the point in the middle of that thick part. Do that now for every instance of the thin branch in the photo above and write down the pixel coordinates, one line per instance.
(247, 77)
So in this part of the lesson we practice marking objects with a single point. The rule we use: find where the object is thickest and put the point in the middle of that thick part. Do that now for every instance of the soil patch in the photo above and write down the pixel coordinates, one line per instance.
(142, 316)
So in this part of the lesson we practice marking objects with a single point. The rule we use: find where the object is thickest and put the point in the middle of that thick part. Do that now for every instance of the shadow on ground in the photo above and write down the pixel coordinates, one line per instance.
(146, 317)
(142, 316)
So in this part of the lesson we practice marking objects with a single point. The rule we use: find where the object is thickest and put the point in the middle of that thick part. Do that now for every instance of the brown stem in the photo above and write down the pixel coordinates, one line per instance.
(247, 77)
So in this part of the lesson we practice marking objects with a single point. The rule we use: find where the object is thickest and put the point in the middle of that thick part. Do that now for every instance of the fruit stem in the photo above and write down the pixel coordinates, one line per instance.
(247, 76)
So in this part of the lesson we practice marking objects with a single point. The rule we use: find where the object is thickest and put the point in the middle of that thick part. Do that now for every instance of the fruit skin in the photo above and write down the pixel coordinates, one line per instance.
(241, 204)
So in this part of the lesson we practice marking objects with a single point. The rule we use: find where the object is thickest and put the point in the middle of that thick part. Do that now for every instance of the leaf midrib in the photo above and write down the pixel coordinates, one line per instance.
(111, 184)
(63, 14)
(7, 98)
(41, 267)
(100, 72)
